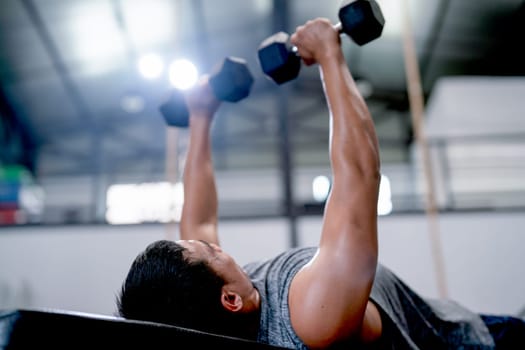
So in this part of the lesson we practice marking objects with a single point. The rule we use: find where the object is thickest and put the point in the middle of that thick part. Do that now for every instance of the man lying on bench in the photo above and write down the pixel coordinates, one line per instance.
(329, 295)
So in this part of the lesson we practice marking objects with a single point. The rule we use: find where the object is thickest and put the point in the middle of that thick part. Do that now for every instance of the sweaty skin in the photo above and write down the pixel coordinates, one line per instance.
(329, 297)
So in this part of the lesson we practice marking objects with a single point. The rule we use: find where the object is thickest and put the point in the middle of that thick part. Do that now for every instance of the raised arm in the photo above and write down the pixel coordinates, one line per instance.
(199, 212)
(329, 296)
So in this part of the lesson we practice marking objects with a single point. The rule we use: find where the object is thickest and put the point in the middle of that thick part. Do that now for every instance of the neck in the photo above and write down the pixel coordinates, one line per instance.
(253, 302)
(247, 321)
(249, 324)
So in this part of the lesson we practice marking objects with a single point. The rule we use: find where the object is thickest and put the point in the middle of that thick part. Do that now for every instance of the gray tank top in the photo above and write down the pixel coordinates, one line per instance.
(409, 321)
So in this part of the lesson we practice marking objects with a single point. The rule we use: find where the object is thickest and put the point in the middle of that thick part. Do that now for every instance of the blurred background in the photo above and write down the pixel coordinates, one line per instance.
(89, 172)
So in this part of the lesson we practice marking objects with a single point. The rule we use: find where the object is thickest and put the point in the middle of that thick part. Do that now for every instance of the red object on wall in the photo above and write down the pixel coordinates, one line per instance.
(8, 216)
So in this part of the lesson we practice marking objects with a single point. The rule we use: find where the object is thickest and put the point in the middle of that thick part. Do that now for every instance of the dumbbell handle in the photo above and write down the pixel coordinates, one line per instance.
(338, 27)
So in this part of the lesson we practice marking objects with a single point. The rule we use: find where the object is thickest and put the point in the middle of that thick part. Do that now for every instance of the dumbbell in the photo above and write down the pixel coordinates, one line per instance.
(361, 20)
(230, 80)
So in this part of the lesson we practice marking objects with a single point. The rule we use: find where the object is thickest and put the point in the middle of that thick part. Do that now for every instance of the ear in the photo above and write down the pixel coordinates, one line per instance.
(231, 300)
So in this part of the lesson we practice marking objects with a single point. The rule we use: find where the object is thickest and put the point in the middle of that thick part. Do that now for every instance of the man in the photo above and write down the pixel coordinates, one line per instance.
(330, 295)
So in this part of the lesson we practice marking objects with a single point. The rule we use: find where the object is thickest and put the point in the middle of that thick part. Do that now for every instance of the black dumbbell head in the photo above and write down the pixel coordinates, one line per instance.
(175, 111)
(362, 20)
(231, 79)
(277, 58)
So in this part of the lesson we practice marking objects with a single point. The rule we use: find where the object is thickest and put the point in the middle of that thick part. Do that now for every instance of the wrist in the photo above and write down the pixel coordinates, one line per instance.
(200, 121)
(331, 55)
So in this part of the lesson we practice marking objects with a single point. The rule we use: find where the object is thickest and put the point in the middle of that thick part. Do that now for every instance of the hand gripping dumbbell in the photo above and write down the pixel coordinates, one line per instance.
(230, 80)
(361, 20)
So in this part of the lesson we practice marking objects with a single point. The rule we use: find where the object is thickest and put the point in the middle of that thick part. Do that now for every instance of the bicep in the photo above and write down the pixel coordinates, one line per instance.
(327, 304)
(328, 296)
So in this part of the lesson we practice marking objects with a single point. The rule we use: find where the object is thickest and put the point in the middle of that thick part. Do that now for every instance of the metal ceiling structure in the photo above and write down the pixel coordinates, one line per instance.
(73, 104)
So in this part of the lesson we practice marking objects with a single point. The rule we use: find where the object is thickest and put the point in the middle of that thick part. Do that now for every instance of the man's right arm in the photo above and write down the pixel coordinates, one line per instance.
(329, 296)
(199, 211)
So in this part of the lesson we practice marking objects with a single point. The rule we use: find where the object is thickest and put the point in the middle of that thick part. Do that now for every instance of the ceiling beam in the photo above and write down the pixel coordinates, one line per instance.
(84, 113)
(69, 86)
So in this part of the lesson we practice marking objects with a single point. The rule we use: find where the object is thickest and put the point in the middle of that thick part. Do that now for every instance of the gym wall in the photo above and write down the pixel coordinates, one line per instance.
(81, 268)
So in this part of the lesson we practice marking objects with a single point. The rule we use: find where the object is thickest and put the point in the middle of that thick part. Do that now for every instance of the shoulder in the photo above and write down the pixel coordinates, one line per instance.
(272, 278)
(290, 260)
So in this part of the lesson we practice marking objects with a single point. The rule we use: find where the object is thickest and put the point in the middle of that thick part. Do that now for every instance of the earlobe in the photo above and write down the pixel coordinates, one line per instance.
(231, 301)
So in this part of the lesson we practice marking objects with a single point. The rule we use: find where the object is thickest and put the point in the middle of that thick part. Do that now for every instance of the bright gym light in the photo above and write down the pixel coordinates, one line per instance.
(151, 66)
(320, 188)
(183, 74)
(384, 204)
(144, 202)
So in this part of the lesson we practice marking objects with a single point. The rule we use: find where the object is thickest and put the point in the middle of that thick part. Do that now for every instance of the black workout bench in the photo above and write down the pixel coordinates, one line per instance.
(57, 329)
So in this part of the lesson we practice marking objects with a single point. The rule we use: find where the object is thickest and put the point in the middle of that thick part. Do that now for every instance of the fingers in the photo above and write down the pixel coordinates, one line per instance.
(296, 39)
(201, 98)
(314, 39)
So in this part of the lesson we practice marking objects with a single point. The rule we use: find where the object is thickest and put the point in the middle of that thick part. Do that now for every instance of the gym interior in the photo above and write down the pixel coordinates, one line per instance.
(90, 172)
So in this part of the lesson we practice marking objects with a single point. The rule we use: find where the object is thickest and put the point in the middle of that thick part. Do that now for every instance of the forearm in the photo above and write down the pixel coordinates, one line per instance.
(354, 155)
(199, 213)
(353, 141)
(354, 149)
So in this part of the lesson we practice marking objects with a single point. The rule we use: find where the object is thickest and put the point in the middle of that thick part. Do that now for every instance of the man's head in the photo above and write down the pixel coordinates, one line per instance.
(189, 284)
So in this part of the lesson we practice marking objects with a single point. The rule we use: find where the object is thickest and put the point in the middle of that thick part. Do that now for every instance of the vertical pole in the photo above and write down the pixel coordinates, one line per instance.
(415, 95)
(281, 14)
(286, 166)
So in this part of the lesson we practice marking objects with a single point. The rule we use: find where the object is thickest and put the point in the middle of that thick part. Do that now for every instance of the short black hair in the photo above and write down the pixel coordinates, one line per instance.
(163, 286)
